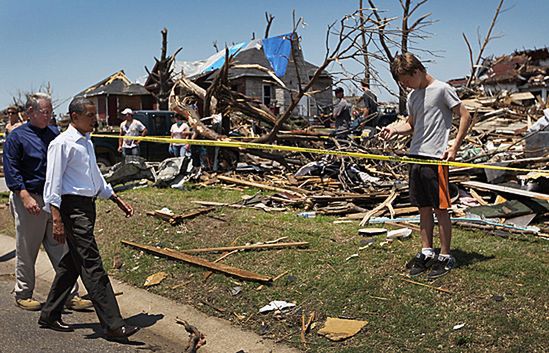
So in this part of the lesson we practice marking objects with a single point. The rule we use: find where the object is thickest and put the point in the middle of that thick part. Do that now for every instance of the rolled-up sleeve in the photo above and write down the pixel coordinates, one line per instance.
(12, 164)
(57, 163)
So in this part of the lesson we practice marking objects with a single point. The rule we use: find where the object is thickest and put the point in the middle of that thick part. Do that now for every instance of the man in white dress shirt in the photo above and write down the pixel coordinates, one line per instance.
(73, 182)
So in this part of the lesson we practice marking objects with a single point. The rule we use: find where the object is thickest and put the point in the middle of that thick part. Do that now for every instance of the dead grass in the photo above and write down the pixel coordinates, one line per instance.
(499, 290)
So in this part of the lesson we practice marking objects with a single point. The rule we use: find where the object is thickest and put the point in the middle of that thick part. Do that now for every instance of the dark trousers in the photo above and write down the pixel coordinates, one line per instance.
(82, 259)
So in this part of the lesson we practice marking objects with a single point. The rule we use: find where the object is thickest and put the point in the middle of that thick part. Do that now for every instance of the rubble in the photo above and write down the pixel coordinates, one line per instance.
(510, 129)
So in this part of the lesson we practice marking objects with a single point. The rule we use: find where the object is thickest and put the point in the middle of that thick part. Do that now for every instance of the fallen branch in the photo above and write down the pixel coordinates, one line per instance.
(196, 338)
(382, 205)
(176, 219)
(428, 286)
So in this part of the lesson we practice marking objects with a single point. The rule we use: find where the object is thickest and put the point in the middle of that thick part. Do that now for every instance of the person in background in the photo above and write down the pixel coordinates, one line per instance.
(369, 101)
(25, 169)
(130, 127)
(73, 182)
(14, 119)
(179, 130)
(342, 110)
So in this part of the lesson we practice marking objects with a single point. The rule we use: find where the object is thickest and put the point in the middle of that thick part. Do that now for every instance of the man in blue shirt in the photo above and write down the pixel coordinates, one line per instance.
(24, 157)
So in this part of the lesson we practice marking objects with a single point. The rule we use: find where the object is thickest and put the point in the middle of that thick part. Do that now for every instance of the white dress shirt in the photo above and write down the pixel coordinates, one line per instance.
(72, 169)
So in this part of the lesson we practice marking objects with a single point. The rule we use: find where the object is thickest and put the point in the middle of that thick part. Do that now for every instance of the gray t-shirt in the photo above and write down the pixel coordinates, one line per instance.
(431, 109)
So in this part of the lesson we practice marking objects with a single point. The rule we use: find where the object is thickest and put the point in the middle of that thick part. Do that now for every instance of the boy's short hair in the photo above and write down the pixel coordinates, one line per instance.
(405, 64)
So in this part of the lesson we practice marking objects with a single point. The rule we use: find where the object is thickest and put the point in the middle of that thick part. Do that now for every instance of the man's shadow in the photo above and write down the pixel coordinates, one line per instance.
(464, 258)
(141, 320)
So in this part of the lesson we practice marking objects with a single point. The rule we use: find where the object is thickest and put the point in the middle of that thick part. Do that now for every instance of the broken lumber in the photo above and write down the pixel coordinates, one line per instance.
(259, 186)
(300, 244)
(506, 189)
(230, 270)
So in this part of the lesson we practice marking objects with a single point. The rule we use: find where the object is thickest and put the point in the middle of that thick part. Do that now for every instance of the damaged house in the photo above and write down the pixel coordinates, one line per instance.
(115, 93)
(522, 71)
(273, 53)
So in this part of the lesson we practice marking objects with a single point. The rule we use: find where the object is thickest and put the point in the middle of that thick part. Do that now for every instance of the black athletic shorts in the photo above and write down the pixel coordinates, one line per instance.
(428, 185)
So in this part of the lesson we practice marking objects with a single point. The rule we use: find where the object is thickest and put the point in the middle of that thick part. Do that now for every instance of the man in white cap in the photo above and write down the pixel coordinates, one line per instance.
(130, 127)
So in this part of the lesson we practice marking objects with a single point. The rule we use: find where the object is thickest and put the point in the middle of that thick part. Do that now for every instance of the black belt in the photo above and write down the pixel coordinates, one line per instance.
(79, 197)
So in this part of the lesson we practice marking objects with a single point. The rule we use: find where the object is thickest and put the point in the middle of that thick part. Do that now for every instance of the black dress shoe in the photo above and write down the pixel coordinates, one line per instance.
(121, 332)
(56, 325)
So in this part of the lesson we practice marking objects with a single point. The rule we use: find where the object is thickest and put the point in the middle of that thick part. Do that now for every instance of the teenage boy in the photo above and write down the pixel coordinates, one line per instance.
(431, 104)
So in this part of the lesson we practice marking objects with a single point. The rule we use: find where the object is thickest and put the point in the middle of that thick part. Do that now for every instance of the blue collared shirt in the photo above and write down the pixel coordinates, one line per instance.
(24, 158)
(72, 169)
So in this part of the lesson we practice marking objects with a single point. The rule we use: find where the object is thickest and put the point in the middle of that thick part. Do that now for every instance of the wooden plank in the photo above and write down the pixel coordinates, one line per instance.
(248, 247)
(357, 197)
(506, 189)
(259, 185)
(230, 270)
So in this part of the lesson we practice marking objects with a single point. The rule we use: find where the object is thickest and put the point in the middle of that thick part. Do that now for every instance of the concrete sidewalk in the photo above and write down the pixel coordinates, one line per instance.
(3, 187)
(221, 336)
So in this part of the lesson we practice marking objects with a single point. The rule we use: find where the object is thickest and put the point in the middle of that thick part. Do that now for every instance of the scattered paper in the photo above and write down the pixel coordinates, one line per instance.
(276, 305)
(458, 326)
(340, 329)
(155, 279)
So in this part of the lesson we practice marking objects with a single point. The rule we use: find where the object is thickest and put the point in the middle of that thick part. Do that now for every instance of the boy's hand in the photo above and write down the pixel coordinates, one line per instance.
(450, 154)
(387, 132)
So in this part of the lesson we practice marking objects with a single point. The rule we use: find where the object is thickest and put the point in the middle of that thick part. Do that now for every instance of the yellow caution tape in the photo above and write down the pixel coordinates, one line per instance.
(262, 146)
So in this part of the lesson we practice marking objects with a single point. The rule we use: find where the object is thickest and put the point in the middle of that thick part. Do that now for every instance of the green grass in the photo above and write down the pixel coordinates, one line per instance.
(411, 318)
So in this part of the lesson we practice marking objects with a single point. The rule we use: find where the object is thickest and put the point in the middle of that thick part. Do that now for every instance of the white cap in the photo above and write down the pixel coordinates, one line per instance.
(127, 111)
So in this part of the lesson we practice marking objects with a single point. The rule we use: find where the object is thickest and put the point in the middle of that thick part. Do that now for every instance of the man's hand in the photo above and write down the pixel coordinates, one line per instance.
(124, 206)
(59, 231)
(29, 203)
(387, 132)
(450, 154)
(58, 228)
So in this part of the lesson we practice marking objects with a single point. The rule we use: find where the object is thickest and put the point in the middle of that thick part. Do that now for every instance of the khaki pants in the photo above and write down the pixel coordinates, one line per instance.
(31, 232)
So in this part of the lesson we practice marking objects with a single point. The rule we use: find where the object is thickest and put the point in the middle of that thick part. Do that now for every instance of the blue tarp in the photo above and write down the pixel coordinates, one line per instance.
(277, 50)
(218, 62)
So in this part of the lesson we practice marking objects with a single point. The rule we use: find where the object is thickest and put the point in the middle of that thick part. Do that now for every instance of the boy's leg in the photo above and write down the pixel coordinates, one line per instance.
(426, 225)
(445, 230)
(444, 262)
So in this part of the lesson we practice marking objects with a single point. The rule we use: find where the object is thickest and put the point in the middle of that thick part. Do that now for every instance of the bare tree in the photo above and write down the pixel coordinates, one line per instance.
(364, 43)
(408, 32)
(162, 76)
(487, 39)
(269, 18)
(342, 43)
